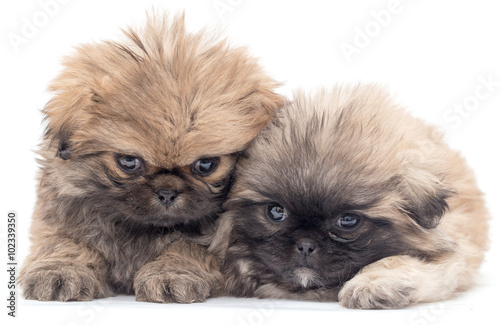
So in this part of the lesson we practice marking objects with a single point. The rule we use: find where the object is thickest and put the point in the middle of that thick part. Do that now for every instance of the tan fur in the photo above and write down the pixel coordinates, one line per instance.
(169, 97)
(352, 144)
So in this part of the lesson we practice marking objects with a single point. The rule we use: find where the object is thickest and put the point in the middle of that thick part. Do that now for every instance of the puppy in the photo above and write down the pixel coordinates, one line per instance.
(346, 197)
(141, 140)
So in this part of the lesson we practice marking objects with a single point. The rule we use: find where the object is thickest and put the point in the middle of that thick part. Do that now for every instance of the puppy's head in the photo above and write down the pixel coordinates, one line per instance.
(336, 182)
(149, 127)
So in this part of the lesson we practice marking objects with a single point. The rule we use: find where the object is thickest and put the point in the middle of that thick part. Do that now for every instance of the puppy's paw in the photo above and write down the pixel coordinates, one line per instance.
(60, 282)
(153, 285)
(369, 291)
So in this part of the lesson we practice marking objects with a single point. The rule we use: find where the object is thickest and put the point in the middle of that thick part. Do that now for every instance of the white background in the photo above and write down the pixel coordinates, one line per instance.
(433, 55)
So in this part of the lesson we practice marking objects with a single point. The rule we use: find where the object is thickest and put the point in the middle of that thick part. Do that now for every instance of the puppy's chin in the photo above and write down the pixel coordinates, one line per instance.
(165, 221)
(297, 277)
(305, 278)
(178, 215)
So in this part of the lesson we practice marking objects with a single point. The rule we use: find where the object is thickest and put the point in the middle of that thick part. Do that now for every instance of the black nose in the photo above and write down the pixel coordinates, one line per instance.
(167, 197)
(306, 247)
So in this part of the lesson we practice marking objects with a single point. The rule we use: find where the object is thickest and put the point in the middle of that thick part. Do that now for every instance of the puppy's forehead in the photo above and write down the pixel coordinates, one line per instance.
(167, 144)
(320, 193)
(325, 153)
(165, 131)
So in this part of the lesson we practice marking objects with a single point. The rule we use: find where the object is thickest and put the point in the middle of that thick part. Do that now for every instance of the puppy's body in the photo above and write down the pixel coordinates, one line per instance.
(142, 137)
(346, 196)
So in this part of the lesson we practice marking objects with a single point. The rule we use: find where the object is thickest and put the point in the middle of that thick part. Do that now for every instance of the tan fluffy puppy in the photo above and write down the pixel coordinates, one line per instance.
(141, 140)
(347, 197)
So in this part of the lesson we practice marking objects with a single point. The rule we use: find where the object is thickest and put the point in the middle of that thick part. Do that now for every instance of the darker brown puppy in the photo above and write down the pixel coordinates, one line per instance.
(142, 137)
(347, 197)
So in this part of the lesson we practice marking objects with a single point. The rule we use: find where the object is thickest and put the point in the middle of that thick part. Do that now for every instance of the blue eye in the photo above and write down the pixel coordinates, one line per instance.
(348, 221)
(128, 164)
(205, 166)
(276, 212)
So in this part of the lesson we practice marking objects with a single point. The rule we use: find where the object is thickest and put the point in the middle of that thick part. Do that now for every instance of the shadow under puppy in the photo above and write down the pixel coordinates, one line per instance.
(346, 197)
(140, 144)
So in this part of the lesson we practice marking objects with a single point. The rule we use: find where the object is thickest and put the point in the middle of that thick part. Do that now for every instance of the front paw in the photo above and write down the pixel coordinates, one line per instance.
(60, 282)
(152, 284)
(369, 291)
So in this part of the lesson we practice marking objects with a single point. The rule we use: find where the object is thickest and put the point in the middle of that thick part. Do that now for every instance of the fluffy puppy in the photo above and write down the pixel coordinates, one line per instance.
(346, 197)
(141, 140)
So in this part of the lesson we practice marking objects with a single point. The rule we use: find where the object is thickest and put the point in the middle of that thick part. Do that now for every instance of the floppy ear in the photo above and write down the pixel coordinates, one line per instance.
(424, 198)
(67, 113)
(64, 149)
(62, 121)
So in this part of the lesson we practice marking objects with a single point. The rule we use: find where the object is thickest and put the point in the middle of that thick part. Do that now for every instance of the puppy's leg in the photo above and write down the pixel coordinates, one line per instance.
(61, 270)
(184, 273)
(399, 281)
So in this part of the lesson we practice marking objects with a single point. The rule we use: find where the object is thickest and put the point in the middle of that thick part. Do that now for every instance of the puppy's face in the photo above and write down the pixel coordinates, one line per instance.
(325, 190)
(149, 128)
(129, 186)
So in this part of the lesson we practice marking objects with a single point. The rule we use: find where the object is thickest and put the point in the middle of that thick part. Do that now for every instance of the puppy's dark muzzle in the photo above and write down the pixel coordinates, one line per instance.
(167, 197)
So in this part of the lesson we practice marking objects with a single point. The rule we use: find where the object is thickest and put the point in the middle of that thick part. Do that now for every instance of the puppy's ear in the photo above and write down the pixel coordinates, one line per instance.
(64, 149)
(69, 112)
(424, 197)
(271, 101)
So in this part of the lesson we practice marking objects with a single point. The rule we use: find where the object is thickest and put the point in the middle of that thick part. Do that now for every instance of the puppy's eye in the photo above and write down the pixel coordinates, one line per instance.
(205, 166)
(276, 212)
(348, 221)
(128, 164)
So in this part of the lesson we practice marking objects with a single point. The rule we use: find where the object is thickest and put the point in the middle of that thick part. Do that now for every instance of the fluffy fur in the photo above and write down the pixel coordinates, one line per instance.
(378, 211)
(124, 194)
